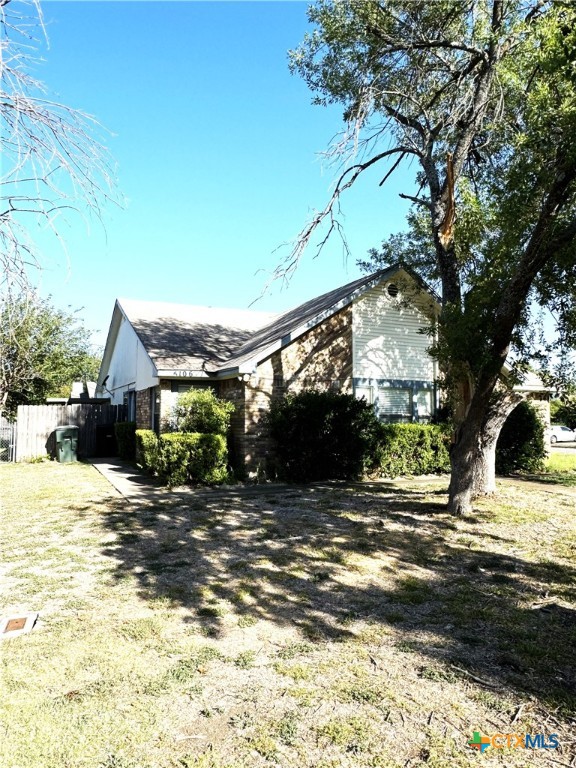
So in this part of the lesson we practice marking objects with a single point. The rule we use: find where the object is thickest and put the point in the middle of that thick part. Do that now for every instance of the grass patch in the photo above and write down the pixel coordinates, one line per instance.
(561, 462)
(366, 629)
(354, 734)
(559, 469)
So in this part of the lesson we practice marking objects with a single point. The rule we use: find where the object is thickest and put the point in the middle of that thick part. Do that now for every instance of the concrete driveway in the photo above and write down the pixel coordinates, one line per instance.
(563, 448)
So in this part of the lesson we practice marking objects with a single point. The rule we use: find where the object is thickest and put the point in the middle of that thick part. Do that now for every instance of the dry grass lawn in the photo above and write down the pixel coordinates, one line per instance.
(315, 627)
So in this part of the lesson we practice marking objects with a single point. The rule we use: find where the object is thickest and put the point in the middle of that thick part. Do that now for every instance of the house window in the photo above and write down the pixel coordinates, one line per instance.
(364, 392)
(394, 404)
(130, 403)
(422, 404)
(155, 409)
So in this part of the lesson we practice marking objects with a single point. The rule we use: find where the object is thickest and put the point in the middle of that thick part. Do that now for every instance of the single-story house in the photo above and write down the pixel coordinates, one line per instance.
(366, 338)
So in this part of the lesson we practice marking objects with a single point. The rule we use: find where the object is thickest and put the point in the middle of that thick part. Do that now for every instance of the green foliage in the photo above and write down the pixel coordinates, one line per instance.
(147, 449)
(411, 449)
(189, 457)
(125, 432)
(478, 101)
(564, 412)
(43, 351)
(322, 435)
(521, 447)
(199, 410)
(555, 409)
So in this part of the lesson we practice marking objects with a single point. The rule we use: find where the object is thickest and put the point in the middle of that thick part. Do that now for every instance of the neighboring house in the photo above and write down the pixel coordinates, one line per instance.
(365, 338)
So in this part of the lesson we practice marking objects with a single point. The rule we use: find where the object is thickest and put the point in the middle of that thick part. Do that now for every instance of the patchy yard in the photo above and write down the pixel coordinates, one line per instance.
(319, 627)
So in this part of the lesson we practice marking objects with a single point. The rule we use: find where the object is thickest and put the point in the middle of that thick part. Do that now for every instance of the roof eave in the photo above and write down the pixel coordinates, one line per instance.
(280, 343)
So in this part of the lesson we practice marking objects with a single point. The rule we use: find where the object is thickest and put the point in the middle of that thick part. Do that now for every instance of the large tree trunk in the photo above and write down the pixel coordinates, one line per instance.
(473, 454)
(471, 468)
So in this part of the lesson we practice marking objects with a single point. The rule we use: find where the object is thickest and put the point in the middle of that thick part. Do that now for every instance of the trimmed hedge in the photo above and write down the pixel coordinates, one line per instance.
(192, 457)
(147, 449)
(199, 410)
(326, 435)
(125, 432)
(411, 449)
(321, 436)
(520, 446)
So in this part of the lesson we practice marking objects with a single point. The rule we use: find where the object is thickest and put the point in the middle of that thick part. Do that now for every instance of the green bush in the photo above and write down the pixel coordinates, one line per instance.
(564, 412)
(322, 435)
(520, 447)
(147, 449)
(199, 410)
(411, 449)
(125, 432)
(188, 457)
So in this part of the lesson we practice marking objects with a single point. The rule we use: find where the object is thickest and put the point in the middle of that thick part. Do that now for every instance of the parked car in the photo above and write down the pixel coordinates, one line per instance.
(560, 434)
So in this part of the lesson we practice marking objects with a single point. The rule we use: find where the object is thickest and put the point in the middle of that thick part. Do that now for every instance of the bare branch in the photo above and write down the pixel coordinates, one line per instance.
(418, 200)
(52, 157)
(344, 182)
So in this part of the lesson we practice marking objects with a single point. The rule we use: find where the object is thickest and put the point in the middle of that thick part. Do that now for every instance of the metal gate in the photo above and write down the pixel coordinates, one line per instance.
(7, 440)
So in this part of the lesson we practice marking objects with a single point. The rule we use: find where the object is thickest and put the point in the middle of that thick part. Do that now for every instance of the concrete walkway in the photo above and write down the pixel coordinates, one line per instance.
(133, 485)
(137, 487)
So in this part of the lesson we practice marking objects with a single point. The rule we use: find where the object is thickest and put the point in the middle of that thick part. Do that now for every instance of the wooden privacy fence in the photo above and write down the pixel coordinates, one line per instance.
(36, 425)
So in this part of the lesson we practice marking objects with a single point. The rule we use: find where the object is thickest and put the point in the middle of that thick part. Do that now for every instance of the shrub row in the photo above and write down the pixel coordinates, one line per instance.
(147, 449)
(326, 435)
(179, 458)
(411, 449)
(520, 446)
(125, 432)
(321, 435)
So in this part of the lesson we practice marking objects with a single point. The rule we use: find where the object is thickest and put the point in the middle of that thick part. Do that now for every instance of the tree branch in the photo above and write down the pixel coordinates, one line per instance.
(418, 200)
(344, 182)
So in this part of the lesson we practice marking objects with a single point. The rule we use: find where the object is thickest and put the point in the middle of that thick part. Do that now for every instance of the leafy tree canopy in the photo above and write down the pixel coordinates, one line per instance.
(480, 97)
(43, 350)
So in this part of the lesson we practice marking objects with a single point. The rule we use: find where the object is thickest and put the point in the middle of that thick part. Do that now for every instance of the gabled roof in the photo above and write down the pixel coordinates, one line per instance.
(287, 327)
(185, 336)
(224, 342)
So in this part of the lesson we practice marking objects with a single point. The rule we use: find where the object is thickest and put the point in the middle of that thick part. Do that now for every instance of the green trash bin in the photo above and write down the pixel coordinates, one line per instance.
(67, 444)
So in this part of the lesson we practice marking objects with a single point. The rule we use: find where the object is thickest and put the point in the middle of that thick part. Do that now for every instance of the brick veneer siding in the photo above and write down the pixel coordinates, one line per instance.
(167, 403)
(321, 359)
(234, 390)
(143, 412)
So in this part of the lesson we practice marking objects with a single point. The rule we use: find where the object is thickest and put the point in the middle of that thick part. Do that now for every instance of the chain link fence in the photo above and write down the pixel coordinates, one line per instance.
(7, 441)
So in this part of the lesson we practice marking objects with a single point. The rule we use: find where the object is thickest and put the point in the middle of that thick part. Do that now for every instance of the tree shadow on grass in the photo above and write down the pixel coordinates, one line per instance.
(326, 558)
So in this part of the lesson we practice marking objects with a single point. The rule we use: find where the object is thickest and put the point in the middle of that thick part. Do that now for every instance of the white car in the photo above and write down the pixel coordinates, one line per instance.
(560, 434)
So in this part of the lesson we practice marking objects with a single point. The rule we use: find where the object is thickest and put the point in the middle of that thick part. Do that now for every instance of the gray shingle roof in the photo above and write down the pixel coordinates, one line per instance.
(218, 340)
(291, 324)
(194, 337)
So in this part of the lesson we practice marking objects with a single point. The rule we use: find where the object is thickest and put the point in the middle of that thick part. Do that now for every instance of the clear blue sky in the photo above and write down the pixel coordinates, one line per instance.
(217, 148)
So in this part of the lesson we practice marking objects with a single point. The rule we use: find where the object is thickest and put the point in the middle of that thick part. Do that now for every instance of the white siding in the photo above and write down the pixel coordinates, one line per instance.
(386, 339)
(130, 367)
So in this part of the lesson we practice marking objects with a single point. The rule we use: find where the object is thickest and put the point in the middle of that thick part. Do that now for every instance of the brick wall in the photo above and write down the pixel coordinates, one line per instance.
(167, 403)
(234, 391)
(143, 411)
(321, 359)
